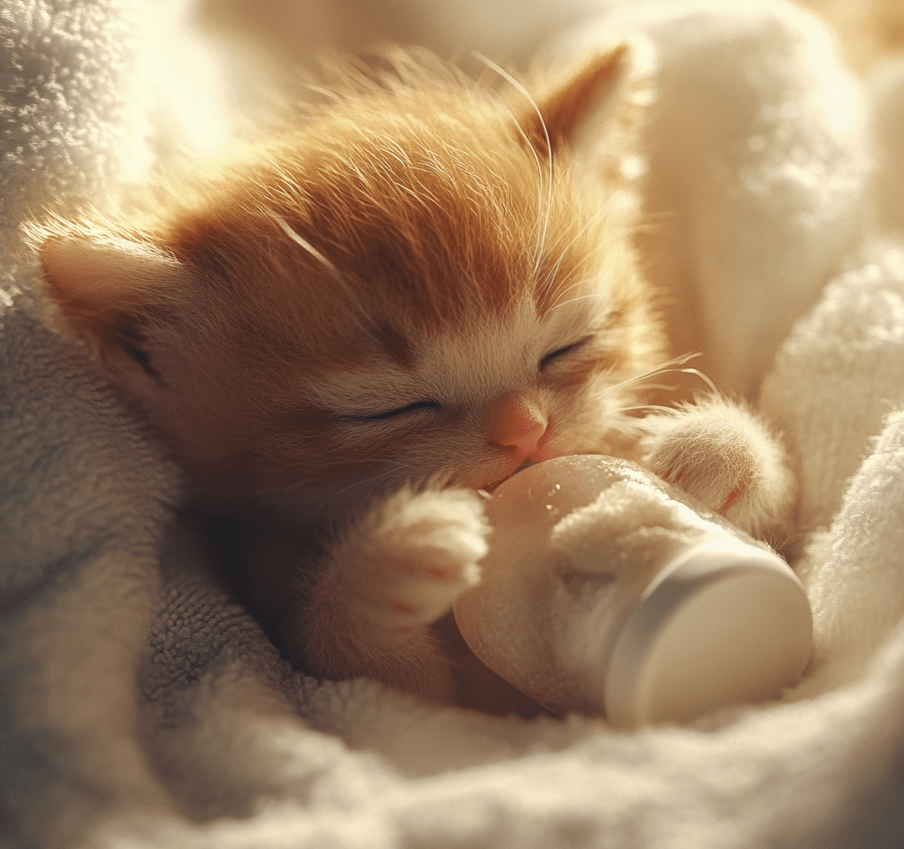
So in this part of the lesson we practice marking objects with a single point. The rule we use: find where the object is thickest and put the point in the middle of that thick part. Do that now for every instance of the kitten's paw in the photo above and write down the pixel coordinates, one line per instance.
(417, 553)
(724, 456)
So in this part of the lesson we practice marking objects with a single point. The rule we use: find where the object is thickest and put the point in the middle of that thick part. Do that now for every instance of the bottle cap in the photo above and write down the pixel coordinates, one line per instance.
(724, 624)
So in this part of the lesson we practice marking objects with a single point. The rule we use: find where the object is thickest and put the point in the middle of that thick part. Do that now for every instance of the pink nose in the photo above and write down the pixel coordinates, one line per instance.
(514, 421)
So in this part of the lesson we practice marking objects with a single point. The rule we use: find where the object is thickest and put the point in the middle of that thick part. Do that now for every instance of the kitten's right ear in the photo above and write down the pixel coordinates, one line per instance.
(110, 289)
(603, 98)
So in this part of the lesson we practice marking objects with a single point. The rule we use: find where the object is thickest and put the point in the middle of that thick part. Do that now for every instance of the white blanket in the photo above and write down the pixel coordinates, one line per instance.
(140, 706)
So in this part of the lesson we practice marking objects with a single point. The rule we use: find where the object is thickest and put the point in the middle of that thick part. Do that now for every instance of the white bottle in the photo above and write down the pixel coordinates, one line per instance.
(606, 591)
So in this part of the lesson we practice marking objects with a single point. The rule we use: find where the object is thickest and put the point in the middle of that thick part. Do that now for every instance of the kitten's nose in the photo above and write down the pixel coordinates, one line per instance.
(517, 422)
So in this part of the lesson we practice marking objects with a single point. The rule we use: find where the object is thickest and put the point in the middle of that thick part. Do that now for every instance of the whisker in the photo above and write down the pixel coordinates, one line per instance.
(647, 408)
(697, 373)
(395, 468)
(579, 298)
(654, 223)
(622, 233)
(367, 320)
(323, 91)
(340, 464)
(374, 480)
(540, 175)
(616, 235)
(665, 387)
(667, 367)
(307, 246)
(554, 271)
(519, 87)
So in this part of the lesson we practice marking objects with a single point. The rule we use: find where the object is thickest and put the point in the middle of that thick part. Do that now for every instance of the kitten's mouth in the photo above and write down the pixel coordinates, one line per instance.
(487, 490)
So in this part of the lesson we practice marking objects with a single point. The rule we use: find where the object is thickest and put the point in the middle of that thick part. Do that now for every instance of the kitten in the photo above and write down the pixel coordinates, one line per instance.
(353, 327)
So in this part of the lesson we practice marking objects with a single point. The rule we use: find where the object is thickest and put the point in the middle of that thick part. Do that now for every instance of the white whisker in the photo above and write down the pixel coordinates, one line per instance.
(667, 367)
(703, 377)
(540, 176)
(544, 230)
(579, 298)
(307, 246)
(596, 249)
(647, 408)
(554, 271)
(665, 387)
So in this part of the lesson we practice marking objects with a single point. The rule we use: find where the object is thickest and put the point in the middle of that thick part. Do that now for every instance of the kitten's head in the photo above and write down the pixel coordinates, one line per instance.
(412, 284)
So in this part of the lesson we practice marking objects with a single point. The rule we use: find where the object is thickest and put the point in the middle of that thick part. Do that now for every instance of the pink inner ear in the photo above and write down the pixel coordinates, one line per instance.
(514, 421)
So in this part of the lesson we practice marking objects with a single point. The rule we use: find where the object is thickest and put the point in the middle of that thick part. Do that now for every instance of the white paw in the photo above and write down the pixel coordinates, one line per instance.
(723, 456)
(417, 553)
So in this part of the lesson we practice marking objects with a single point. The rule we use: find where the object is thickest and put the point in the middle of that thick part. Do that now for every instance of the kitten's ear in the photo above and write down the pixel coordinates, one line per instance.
(110, 290)
(604, 97)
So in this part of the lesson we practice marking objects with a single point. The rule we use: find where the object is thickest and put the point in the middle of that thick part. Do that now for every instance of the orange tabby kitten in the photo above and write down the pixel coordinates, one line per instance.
(347, 332)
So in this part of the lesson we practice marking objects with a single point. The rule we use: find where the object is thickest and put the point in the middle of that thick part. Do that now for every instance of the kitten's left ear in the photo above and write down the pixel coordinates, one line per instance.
(604, 97)
(110, 289)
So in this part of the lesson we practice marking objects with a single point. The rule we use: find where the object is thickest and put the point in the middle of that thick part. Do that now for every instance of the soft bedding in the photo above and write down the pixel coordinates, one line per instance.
(141, 706)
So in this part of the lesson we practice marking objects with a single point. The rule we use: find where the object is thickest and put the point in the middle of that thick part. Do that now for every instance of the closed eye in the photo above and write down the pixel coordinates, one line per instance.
(392, 414)
(562, 352)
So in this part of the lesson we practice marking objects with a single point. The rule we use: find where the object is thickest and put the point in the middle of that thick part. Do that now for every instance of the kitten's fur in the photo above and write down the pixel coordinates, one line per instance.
(348, 331)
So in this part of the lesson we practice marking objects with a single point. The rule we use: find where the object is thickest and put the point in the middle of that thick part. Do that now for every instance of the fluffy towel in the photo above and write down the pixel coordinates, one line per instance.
(139, 706)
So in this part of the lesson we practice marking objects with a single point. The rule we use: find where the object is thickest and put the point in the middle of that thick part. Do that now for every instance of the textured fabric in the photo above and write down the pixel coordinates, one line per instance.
(141, 706)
